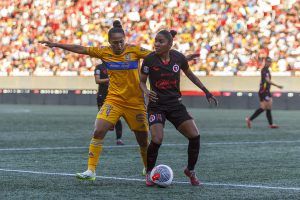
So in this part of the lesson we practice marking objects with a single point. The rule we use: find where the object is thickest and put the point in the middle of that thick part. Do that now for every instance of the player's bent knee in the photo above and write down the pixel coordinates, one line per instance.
(99, 133)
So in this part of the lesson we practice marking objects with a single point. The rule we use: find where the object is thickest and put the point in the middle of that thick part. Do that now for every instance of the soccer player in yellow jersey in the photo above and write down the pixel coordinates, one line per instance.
(125, 98)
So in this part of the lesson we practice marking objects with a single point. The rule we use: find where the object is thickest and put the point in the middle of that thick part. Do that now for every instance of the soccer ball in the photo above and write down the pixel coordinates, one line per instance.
(162, 175)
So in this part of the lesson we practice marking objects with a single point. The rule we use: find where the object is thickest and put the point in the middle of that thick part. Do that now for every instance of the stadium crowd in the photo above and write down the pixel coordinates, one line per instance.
(230, 35)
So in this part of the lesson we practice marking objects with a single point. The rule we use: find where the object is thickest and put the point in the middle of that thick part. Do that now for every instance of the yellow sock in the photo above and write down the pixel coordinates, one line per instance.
(94, 153)
(143, 152)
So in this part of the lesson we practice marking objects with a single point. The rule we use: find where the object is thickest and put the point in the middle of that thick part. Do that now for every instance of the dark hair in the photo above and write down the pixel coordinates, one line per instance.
(117, 28)
(168, 34)
(268, 59)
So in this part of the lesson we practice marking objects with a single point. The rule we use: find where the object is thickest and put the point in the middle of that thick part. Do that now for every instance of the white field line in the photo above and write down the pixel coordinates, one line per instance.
(142, 180)
(133, 145)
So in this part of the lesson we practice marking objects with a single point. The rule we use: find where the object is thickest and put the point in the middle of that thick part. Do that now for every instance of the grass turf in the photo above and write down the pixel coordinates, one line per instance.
(235, 162)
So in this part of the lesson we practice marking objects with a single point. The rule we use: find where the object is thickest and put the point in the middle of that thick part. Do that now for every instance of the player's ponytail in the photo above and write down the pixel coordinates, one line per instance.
(117, 28)
(173, 33)
(117, 24)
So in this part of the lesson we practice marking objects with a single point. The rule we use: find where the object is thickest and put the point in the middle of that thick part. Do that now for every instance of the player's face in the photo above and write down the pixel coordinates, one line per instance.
(268, 63)
(161, 44)
(117, 43)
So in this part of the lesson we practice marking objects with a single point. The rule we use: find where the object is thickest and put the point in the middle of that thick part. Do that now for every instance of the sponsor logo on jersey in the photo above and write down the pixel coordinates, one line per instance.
(175, 68)
(166, 84)
(155, 68)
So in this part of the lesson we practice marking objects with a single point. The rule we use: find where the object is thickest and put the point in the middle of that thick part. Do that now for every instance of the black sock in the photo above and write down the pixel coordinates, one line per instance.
(269, 116)
(118, 128)
(193, 152)
(256, 113)
(152, 154)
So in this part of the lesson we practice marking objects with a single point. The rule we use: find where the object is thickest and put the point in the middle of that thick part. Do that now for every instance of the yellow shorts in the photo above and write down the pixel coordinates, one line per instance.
(135, 118)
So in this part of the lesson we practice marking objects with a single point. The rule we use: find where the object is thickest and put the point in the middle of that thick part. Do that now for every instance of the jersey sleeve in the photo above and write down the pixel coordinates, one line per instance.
(184, 63)
(97, 71)
(95, 52)
(142, 52)
(145, 67)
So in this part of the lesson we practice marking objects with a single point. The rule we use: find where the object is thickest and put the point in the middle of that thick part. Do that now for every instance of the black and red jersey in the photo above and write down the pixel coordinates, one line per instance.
(164, 78)
(264, 86)
(101, 71)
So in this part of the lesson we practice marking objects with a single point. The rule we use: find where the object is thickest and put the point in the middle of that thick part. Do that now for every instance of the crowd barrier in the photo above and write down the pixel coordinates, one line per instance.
(232, 92)
(227, 99)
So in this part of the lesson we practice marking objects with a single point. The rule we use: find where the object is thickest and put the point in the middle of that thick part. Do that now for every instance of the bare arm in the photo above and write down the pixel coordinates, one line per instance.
(270, 82)
(99, 81)
(200, 85)
(69, 47)
(192, 56)
(150, 94)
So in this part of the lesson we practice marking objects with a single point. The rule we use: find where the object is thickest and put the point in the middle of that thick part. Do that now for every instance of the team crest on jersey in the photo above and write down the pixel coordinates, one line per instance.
(127, 57)
(146, 69)
(175, 68)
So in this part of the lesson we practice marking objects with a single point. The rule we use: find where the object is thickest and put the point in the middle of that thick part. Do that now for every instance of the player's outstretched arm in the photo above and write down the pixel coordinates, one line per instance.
(69, 47)
(210, 98)
(276, 85)
(192, 56)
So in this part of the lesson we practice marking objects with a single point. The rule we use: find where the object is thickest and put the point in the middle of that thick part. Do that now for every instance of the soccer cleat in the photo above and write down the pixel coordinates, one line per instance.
(273, 126)
(193, 178)
(120, 142)
(88, 175)
(248, 122)
(144, 171)
(149, 182)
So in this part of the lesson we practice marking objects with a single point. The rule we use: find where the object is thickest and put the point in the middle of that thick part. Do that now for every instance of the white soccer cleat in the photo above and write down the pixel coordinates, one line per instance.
(87, 175)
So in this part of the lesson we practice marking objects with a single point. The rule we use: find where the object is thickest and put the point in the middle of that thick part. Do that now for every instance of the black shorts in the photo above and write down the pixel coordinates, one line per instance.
(177, 114)
(265, 96)
(100, 101)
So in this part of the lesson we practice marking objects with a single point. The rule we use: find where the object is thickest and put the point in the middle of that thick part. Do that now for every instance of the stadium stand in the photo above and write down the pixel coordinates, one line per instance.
(228, 34)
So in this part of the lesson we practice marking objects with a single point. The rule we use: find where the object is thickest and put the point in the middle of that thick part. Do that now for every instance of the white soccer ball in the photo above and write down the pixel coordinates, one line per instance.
(162, 175)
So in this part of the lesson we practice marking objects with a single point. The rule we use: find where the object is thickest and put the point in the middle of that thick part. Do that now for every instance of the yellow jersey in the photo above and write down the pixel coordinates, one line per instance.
(124, 83)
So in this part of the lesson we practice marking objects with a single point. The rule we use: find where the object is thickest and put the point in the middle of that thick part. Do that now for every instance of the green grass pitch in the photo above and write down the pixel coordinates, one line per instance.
(42, 147)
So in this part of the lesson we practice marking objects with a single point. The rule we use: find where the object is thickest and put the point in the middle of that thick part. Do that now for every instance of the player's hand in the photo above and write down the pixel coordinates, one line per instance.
(211, 99)
(192, 56)
(280, 86)
(47, 43)
(152, 95)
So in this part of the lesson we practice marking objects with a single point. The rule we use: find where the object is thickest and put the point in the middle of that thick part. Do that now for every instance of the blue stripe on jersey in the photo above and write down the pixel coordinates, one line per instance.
(122, 65)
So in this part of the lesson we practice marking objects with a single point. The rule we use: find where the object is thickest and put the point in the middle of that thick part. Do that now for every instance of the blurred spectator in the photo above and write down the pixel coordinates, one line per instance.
(228, 34)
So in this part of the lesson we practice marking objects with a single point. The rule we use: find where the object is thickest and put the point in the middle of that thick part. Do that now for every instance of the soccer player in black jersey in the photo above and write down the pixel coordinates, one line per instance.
(265, 96)
(101, 78)
(163, 69)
